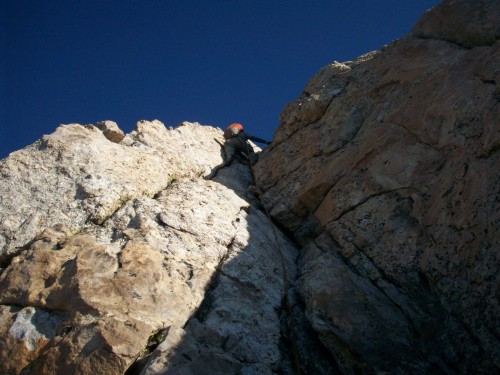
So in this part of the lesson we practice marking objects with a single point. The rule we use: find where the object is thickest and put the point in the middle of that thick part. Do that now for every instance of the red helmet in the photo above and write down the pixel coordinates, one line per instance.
(235, 125)
(232, 130)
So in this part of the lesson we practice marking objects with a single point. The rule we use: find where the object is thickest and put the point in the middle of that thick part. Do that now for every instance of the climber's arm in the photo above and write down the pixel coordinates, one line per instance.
(256, 139)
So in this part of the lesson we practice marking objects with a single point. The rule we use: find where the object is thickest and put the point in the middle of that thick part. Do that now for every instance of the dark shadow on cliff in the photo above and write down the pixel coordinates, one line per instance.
(246, 294)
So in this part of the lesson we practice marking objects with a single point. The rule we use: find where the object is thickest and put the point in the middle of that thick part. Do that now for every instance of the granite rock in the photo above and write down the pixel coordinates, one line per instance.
(131, 256)
(380, 253)
(391, 184)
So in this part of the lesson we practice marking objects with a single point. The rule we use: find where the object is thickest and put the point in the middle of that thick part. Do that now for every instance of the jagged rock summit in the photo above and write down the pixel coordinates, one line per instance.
(383, 179)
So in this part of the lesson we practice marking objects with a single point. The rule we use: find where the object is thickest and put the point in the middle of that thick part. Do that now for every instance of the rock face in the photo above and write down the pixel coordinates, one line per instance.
(111, 247)
(386, 169)
(118, 257)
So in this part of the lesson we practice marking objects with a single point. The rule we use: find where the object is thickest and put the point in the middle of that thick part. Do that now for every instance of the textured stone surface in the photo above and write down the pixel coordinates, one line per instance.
(111, 131)
(23, 332)
(467, 23)
(76, 175)
(130, 248)
(118, 257)
(386, 169)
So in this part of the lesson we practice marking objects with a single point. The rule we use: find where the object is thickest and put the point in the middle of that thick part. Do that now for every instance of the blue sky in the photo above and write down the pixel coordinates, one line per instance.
(213, 61)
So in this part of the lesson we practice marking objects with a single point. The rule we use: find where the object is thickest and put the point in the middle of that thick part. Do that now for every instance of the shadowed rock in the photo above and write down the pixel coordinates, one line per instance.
(118, 257)
(392, 188)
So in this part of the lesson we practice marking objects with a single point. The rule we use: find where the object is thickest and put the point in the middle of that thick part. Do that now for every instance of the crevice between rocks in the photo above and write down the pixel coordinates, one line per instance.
(154, 340)
(366, 199)
(299, 343)
(124, 200)
(6, 259)
(417, 137)
(301, 349)
(164, 223)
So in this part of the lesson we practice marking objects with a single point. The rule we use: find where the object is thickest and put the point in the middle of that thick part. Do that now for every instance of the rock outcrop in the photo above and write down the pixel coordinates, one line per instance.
(380, 255)
(112, 247)
(386, 169)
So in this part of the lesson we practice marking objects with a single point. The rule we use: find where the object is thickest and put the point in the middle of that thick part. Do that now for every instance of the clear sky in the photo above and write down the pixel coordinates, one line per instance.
(209, 61)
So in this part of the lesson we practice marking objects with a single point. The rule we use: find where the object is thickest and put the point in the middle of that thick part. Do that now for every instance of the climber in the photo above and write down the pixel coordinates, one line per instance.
(237, 144)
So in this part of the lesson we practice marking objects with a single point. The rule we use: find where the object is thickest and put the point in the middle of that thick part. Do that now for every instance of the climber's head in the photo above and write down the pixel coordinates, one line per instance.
(233, 130)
